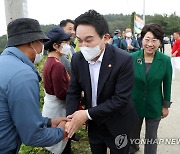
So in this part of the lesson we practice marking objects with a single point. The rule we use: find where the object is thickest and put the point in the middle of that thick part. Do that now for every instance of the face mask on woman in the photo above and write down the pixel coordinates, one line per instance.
(66, 49)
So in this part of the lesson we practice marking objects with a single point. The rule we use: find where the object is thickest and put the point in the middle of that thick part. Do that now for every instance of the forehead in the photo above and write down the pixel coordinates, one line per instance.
(128, 30)
(175, 33)
(69, 24)
(84, 31)
(149, 35)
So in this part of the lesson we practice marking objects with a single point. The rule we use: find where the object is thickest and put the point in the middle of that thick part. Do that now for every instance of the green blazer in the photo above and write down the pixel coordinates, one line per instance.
(151, 92)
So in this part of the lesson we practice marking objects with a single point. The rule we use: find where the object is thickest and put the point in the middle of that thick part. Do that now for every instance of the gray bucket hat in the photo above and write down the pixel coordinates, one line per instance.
(24, 30)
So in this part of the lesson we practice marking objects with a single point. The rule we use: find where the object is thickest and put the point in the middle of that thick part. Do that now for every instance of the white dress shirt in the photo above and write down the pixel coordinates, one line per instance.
(94, 68)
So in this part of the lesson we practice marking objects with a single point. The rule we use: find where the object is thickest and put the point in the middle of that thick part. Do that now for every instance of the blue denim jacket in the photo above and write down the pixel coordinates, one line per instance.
(20, 116)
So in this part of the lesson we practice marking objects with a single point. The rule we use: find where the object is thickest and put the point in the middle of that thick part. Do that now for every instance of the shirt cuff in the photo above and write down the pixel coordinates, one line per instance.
(166, 104)
(89, 117)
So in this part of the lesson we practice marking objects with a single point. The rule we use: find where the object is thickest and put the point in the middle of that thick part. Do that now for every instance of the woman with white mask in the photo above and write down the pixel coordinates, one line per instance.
(56, 79)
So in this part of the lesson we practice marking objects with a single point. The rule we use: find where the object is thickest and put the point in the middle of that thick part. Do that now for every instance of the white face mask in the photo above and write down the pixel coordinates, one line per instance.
(90, 53)
(39, 56)
(128, 34)
(66, 49)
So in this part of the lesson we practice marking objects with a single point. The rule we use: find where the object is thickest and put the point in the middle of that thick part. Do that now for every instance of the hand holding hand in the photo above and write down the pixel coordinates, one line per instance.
(56, 121)
(78, 118)
(62, 126)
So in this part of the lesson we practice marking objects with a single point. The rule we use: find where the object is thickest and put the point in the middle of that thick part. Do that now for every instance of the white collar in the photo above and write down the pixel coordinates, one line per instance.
(99, 59)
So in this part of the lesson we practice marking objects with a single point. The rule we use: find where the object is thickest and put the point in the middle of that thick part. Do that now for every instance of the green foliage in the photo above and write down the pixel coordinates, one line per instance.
(81, 147)
(3, 42)
(32, 150)
(46, 28)
(117, 21)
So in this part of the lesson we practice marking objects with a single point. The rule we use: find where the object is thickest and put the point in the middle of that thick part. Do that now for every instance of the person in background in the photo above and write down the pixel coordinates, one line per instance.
(55, 79)
(175, 53)
(152, 86)
(116, 38)
(162, 45)
(68, 27)
(20, 117)
(123, 34)
(176, 46)
(139, 40)
(129, 43)
(105, 74)
(171, 39)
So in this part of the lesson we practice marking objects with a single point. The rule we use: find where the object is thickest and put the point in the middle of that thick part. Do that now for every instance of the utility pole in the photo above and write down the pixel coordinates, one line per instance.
(15, 9)
(144, 11)
(132, 22)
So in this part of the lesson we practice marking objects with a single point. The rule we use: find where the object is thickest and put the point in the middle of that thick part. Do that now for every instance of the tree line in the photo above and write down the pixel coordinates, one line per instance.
(169, 23)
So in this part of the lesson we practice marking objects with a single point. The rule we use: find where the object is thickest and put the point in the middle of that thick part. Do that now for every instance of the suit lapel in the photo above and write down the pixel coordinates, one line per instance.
(106, 67)
(84, 67)
(154, 66)
(140, 65)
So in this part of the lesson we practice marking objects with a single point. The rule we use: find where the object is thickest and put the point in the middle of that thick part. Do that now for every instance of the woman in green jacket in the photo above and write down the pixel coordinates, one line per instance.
(152, 86)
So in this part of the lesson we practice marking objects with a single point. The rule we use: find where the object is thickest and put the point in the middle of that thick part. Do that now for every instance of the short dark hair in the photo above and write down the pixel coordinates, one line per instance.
(177, 32)
(94, 19)
(154, 28)
(50, 48)
(63, 23)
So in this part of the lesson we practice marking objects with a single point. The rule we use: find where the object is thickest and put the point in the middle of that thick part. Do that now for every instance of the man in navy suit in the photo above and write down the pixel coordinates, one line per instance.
(105, 74)
(129, 43)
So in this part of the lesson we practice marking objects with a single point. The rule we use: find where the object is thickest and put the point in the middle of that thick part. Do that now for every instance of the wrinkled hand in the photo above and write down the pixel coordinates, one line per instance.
(165, 112)
(78, 118)
(62, 126)
(66, 126)
(56, 121)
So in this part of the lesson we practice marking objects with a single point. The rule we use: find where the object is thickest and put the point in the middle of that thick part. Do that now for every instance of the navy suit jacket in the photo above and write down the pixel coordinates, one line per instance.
(114, 88)
(134, 43)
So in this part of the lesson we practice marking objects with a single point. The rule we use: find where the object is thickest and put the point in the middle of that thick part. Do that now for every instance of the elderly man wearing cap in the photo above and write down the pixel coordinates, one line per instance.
(116, 38)
(20, 116)
(56, 79)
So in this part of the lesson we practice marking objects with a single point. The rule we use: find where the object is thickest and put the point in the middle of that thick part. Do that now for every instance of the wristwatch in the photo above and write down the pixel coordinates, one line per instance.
(49, 123)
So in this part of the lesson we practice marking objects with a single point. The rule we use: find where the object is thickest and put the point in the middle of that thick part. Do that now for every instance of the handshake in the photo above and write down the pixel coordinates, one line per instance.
(71, 123)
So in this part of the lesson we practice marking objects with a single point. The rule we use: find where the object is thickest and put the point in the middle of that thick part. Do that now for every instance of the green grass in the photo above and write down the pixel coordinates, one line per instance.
(81, 147)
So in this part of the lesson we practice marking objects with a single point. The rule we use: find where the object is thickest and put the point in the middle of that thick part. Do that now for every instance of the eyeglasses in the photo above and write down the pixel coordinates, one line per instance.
(148, 40)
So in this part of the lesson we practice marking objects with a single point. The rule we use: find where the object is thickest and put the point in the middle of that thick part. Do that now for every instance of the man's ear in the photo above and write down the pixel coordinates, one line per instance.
(106, 38)
(31, 44)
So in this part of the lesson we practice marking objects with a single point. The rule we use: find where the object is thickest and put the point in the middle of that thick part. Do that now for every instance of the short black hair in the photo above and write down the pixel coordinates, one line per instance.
(50, 47)
(63, 23)
(94, 19)
(154, 28)
(177, 32)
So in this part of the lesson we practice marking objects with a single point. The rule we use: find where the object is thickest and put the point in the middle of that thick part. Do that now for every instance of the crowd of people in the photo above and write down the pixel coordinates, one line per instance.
(111, 84)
